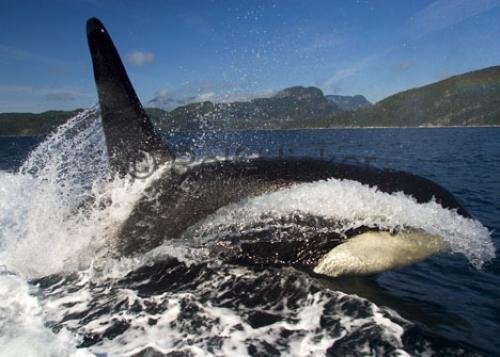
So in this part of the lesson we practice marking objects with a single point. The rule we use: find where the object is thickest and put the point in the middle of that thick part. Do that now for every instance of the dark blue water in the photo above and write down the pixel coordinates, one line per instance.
(14, 150)
(444, 295)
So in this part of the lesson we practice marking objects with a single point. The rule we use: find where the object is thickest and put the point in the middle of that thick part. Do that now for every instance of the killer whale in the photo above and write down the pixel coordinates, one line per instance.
(184, 195)
(129, 133)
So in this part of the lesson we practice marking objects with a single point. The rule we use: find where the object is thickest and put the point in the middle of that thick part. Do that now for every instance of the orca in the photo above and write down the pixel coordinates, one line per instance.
(183, 196)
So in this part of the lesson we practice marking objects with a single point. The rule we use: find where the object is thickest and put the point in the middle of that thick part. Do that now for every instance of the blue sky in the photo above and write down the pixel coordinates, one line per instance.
(238, 49)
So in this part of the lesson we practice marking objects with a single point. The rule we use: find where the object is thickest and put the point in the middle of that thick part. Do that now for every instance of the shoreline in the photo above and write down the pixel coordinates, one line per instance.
(297, 129)
(339, 128)
(384, 127)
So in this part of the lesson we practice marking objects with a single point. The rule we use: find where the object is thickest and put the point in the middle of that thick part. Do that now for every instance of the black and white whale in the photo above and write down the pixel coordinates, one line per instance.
(184, 195)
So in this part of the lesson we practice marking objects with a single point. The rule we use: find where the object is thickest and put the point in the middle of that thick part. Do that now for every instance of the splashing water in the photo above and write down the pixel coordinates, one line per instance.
(350, 205)
(22, 330)
(61, 209)
(59, 213)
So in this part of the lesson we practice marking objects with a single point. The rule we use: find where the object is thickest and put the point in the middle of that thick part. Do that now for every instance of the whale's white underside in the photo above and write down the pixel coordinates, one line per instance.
(378, 251)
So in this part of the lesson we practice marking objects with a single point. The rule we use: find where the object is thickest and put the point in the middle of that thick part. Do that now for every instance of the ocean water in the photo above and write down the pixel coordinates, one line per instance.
(64, 291)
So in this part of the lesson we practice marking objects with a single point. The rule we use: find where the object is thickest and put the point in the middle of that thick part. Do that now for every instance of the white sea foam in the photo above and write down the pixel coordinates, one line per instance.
(61, 210)
(176, 329)
(22, 329)
(44, 231)
(352, 204)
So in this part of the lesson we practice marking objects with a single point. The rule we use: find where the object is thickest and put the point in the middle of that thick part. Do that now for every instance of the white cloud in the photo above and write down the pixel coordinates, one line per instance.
(140, 58)
(9, 54)
(349, 71)
(442, 14)
(320, 43)
(403, 66)
(61, 96)
(203, 97)
(232, 96)
(50, 94)
(198, 24)
(169, 99)
(163, 93)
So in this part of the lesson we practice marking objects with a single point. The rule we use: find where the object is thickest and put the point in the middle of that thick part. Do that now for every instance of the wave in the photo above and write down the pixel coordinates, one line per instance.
(64, 292)
(22, 328)
(350, 205)
(60, 211)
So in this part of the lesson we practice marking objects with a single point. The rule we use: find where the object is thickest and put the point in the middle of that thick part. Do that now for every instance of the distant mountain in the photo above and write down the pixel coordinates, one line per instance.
(465, 100)
(169, 103)
(286, 109)
(349, 103)
(468, 99)
(29, 124)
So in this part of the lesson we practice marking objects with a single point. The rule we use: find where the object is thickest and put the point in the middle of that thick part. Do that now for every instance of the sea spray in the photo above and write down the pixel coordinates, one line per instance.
(350, 205)
(60, 211)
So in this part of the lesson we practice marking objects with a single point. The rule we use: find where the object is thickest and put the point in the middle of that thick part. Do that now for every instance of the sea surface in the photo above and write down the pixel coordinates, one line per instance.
(64, 291)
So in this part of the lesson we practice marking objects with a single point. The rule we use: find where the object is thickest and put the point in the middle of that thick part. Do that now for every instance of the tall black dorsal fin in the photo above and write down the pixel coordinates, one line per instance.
(130, 135)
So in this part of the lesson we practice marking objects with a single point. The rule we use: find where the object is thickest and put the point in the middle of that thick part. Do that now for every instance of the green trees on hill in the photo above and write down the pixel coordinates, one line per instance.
(33, 124)
(469, 99)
